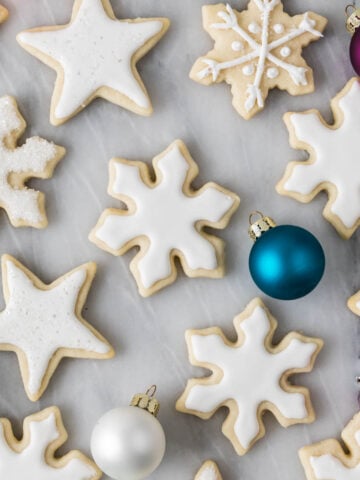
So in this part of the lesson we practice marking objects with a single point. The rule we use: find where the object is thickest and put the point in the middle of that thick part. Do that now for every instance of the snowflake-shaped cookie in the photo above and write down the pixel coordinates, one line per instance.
(333, 163)
(36, 158)
(43, 323)
(95, 55)
(256, 50)
(209, 471)
(328, 460)
(165, 217)
(249, 376)
(354, 303)
(34, 456)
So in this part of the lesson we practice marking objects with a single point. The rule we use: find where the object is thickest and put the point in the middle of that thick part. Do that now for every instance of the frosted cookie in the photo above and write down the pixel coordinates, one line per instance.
(329, 460)
(95, 55)
(354, 303)
(43, 323)
(165, 217)
(34, 455)
(256, 50)
(209, 471)
(37, 158)
(333, 163)
(249, 376)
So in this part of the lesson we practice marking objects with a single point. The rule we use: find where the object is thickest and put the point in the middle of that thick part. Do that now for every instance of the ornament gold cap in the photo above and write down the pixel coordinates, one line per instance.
(147, 401)
(353, 18)
(260, 226)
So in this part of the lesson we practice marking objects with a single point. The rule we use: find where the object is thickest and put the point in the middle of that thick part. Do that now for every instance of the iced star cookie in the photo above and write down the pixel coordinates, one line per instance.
(209, 471)
(329, 460)
(95, 55)
(249, 376)
(257, 50)
(33, 456)
(43, 323)
(165, 217)
(333, 163)
(37, 158)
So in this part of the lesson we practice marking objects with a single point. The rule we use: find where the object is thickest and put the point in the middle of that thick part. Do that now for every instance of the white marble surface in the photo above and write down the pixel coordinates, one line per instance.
(247, 157)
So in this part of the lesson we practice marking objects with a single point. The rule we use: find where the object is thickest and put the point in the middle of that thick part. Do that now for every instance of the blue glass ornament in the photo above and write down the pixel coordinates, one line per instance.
(286, 261)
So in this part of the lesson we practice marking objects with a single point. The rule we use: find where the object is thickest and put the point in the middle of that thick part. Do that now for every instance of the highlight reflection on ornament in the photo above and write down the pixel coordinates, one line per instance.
(286, 261)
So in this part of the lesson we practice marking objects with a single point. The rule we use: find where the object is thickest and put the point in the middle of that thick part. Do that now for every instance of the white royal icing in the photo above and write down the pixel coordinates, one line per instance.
(285, 52)
(94, 51)
(237, 46)
(248, 70)
(254, 27)
(21, 204)
(40, 322)
(250, 375)
(31, 463)
(328, 467)
(165, 216)
(272, 72)
(260, 50)
(336, 157)
(208, 473)
(279, 28)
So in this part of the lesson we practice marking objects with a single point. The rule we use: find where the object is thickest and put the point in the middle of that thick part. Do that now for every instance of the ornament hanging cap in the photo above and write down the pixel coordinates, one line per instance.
(261, 225)
(353, 18)
(147, 401)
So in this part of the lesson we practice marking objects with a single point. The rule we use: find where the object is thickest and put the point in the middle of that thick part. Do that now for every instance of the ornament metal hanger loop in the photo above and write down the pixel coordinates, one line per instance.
(151, 391)
(352, 17)
(253, 214)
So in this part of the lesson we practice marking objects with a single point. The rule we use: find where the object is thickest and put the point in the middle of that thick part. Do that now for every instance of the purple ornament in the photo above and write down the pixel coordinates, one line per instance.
(355, 51)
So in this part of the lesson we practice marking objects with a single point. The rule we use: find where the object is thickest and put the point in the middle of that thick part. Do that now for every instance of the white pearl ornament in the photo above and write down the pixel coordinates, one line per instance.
(128, 443)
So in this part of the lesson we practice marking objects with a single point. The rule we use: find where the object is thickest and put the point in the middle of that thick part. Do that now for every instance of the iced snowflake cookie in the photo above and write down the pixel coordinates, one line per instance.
(249, 376)
(37, 158)
(256, 50)
(333, 163)
(354, 303)
(329, 460)
(95, 55)
(33, 457)
(43, 323)
(209, 471)
(165, 217)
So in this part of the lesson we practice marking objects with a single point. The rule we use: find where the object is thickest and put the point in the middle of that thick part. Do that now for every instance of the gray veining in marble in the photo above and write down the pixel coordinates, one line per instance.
(247, 157)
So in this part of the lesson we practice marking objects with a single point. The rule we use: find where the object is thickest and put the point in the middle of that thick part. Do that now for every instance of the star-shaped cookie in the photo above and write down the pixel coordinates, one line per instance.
(43, 323)
(95, 55)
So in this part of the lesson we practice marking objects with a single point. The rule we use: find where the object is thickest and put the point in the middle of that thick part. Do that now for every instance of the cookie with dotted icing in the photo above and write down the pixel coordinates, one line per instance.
(42, 323)
(333, 163)
(165, 217)
(329, 460)
(36, 158)
(95, 55)
(34, 455)
(249, 376)
(256, 50)
(209, 471)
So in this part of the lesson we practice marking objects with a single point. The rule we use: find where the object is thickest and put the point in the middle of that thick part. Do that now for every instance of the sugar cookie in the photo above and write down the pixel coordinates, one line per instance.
(209, 471)
(329, 460)
(37, 158)
(43, 323)
(165, 218)
(333, 163)
(34, 456)
(249, 376)
(95, 55)
(264, 30)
